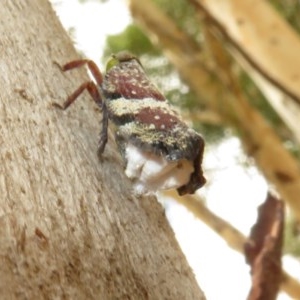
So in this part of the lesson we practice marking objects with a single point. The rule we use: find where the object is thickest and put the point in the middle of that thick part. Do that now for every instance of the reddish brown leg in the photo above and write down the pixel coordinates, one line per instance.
(93, 90)
(91, 87)
(91, 66)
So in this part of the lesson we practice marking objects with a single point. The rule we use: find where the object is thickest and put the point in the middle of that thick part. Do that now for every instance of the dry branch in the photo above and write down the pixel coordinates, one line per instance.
(235, 239)
(260, 140)
(267, 48)
(263, 37)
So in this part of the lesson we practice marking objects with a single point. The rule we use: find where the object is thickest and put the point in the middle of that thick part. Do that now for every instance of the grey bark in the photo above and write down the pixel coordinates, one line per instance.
(69, 225)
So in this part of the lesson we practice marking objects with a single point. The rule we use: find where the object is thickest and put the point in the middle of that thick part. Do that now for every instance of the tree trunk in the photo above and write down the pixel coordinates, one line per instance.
(69, 225)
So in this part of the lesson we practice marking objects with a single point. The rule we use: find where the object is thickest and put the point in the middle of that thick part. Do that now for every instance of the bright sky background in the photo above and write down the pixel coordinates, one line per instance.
(232, 192)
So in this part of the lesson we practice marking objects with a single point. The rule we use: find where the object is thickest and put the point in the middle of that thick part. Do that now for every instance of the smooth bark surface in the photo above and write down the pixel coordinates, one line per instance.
(264, 37)
(283, 173)
(69, 226)
(266, 46)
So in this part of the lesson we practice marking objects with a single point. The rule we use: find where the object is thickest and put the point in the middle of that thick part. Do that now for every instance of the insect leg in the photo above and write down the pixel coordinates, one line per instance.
(93, 90)
(93, 68)
(90, 86)
(103, 134)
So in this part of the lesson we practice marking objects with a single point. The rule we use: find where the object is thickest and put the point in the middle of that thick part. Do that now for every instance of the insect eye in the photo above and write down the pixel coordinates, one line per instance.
(111, 63)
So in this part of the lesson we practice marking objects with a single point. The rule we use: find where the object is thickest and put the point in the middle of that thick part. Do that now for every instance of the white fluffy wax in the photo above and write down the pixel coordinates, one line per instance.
(151, 172)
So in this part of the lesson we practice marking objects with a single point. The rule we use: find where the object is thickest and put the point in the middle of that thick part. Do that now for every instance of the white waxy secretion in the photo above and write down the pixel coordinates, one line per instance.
(151, 172)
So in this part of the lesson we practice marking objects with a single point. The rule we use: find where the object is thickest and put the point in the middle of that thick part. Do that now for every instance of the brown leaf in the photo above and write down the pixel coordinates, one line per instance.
(264, 248)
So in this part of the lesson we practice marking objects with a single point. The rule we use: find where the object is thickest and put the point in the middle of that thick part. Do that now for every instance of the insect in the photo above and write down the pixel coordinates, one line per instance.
(160, 151)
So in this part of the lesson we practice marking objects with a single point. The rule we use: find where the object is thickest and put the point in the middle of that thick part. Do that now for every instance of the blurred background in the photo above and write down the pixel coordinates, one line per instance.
(232, 68)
